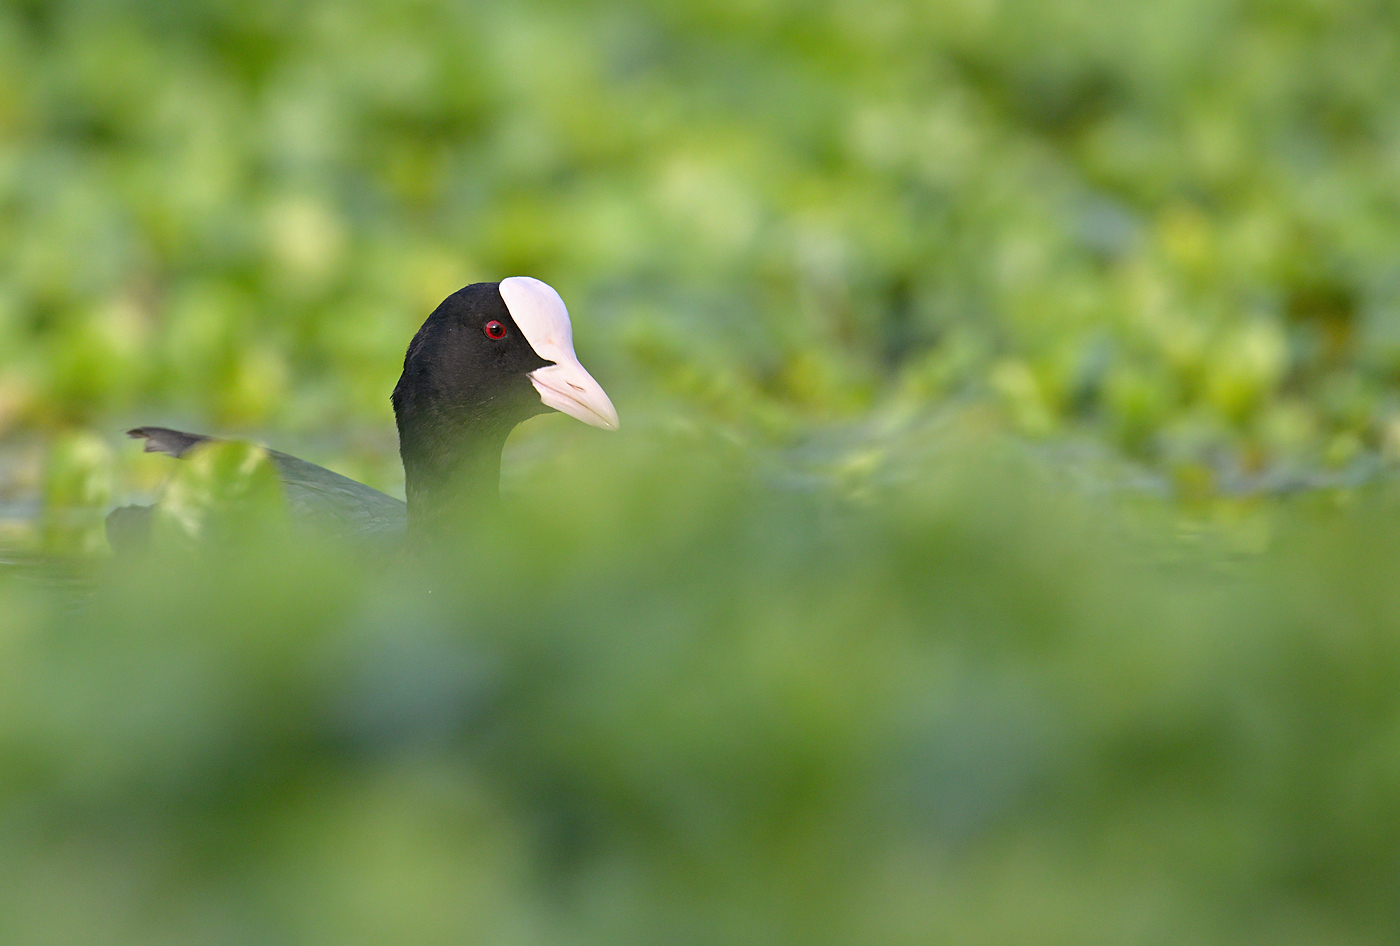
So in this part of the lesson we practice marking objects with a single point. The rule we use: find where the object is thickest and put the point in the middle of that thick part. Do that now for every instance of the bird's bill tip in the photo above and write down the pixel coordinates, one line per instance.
(568, 388)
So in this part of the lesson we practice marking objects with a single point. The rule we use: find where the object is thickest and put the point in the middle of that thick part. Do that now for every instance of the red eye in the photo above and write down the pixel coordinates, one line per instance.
(495, 330)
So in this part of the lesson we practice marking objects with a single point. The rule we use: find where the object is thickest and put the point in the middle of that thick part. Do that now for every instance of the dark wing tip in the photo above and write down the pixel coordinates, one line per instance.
(175, 443)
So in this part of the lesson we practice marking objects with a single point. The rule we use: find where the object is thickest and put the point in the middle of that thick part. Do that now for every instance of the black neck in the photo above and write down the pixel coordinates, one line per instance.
(452, 472)
(461, 392)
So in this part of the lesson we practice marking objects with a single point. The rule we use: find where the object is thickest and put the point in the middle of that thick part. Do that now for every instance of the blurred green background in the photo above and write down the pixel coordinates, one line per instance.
(997, 548)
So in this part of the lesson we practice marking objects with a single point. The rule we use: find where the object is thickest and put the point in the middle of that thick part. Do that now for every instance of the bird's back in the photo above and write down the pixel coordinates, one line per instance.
(317, 498)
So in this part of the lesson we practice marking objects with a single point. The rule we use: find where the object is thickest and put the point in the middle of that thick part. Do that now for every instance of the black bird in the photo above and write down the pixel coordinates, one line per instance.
(490, 356)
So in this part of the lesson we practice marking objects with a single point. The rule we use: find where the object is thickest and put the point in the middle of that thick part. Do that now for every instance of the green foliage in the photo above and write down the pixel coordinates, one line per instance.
(78, 485)
(912, 605)
(664, 702)
(1167, 223)
(222, 492)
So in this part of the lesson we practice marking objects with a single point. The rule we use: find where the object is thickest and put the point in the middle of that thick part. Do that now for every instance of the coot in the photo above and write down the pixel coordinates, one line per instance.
(490, 356)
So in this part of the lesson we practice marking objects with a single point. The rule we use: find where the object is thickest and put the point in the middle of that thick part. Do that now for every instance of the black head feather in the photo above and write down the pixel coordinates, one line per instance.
(460, 394)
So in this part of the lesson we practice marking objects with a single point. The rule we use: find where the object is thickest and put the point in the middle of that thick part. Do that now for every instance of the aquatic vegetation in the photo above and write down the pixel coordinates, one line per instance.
(999, 546)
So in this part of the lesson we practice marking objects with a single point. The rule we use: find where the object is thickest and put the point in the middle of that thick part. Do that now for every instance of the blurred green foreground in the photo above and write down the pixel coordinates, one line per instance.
(662, 698)
(945, 584)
